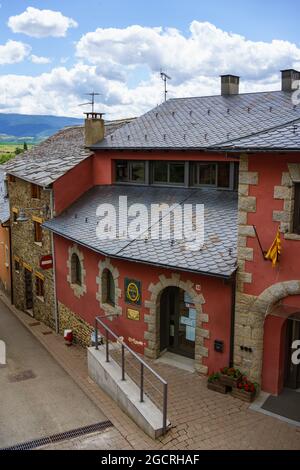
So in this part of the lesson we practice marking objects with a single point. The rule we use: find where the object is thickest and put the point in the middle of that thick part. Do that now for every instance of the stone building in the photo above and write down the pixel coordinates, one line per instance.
(5, 255)
(32, 177)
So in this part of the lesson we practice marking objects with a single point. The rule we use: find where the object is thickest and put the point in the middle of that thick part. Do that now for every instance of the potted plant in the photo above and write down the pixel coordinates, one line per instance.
(245, 390)
(230, 376)
(214, 383)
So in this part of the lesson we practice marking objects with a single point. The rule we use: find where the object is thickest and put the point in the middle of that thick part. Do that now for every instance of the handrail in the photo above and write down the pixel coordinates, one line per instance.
(144, 365)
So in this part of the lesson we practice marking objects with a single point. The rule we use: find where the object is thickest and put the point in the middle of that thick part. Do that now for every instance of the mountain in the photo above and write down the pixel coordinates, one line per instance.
(32, 128)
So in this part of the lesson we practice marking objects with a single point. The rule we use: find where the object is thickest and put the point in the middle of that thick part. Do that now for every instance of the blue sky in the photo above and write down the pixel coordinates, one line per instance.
(124, 63)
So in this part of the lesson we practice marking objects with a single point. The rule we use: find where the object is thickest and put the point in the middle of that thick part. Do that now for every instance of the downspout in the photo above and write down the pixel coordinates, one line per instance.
(54, 265)
(232, 328)
(11, 265)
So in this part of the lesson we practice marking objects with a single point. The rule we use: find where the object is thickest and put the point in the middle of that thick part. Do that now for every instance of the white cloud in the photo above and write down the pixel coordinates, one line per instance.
(207, 50)
(123, 65)
(13, 52)
(41, 23)
(35, 59)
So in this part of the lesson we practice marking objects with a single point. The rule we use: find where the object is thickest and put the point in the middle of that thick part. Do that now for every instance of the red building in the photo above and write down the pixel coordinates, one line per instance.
(236, 154)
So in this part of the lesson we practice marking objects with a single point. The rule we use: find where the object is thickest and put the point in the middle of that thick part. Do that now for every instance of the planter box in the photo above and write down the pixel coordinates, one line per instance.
(230, 381)
(217, 387)
(249, 397)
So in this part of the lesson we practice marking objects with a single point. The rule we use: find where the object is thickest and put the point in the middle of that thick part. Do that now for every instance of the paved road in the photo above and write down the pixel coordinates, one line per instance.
(46, 400)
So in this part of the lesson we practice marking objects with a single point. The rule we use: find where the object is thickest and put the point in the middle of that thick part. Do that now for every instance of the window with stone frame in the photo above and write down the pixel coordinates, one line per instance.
(35, 191)
(76, 274)
(108, 288)
(39, 286)
(38, 232)
(296, 218)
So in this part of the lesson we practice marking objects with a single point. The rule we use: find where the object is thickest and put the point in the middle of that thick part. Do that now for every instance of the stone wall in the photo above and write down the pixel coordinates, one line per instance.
(69, 320)
(244, 336)
(28, 252)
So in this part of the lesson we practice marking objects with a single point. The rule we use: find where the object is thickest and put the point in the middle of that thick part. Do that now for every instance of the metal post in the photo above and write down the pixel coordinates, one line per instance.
(165, 408)
(123, 363)
(107, 346)
(142, 382)
(96, 335)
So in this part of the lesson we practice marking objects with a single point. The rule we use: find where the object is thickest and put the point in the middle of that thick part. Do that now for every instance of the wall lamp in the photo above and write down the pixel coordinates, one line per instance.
(22, 217)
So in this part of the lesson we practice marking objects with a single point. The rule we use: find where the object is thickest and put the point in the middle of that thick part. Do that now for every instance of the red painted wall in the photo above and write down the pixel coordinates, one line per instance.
(99, 170)
(216, 293)
(270, 168)
(72, 185)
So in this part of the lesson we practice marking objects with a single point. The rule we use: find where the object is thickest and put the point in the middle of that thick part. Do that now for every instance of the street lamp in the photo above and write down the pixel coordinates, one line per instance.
(22, 217)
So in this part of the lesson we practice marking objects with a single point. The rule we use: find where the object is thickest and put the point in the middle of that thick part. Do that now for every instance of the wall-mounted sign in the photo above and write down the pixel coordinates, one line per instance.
(46, 262)
(136, 342)
(133, 314)
(133, 292)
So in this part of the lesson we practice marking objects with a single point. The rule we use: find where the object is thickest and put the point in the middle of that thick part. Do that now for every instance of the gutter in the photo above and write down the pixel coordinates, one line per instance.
(56, 319)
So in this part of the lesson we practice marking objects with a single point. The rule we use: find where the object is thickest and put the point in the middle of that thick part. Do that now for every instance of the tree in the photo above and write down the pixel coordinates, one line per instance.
(25, 147)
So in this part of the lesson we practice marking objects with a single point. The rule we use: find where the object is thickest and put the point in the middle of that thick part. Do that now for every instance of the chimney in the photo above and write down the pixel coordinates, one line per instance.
(94, 130)
(230, 85)
(289, 79)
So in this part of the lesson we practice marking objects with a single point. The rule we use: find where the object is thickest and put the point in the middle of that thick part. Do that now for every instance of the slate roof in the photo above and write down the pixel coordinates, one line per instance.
(4, 203)
(207, 122)
(218, 256)
(285, 137)
(48, 161)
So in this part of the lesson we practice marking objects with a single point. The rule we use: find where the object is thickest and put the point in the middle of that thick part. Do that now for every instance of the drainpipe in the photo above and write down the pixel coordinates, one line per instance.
(11, 265)
(54, 265)
(232, 328)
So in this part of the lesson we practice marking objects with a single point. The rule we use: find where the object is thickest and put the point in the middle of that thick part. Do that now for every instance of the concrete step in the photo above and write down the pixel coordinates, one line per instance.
(108, 375)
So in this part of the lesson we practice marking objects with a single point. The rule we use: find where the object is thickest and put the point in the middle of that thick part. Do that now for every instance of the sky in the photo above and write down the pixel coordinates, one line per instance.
(54, 52)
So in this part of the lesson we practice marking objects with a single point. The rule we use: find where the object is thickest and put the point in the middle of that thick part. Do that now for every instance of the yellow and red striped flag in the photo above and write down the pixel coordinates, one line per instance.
(275, 250)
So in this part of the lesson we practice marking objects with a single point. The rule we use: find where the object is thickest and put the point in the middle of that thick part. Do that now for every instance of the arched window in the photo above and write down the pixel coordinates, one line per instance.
(108, 288)
(76, 275)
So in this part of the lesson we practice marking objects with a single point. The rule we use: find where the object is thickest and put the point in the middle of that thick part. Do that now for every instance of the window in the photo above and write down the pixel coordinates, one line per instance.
(203, 174)
(7, 256)
(296, 224)
(38, 232)
(11, 179)
(223, 175)
(35, 191)
(211, 174)
(130, 171)
(169, 172)
(108, 288)
(236, 176)
(76, 275)
(39, 287)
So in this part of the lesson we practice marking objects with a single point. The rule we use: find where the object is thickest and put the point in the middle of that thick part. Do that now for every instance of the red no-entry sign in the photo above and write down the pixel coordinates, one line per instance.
(46, 262)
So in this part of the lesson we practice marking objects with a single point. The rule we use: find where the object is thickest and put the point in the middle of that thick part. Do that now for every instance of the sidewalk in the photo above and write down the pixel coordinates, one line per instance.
(201, 419)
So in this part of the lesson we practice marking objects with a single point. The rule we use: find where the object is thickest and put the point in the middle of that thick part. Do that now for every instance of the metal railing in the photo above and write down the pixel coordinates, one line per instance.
(143, 365)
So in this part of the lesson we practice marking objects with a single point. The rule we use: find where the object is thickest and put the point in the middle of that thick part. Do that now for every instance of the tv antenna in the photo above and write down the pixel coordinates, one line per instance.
(92, 102)
(165, 79)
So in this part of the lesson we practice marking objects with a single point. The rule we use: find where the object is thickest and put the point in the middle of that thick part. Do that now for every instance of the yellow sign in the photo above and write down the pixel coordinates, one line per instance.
(133, 291)
(133, 314)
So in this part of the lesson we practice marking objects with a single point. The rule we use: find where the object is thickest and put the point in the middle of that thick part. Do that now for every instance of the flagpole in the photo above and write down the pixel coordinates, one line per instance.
(260, 245)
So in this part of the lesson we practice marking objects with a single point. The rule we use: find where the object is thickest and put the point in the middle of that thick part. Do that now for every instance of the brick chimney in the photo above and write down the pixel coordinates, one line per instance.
(289, 79)
(230, 85)
(94, 130)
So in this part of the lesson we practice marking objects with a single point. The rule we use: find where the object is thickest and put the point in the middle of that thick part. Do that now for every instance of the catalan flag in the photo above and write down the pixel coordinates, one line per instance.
(275, 250)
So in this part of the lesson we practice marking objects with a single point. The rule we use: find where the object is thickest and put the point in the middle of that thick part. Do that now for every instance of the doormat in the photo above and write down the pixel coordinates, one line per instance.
(287, 405)
(37, 323)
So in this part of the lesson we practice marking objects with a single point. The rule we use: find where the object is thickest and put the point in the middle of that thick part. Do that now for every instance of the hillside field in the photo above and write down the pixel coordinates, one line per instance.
(8, 150)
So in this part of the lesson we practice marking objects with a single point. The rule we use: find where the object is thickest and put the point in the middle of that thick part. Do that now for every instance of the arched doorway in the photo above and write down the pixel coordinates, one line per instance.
(177, 322)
